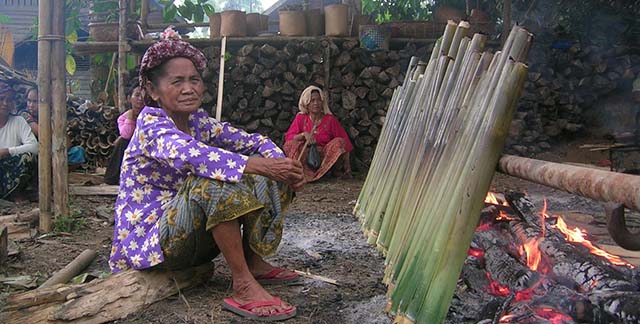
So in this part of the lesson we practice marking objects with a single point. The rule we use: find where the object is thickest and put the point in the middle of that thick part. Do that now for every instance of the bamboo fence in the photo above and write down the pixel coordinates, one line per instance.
(433, 165)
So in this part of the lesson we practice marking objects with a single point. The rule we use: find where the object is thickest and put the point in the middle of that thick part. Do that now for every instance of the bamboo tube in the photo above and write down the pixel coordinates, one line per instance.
(44, 113)
(440, 166)
(58, 94)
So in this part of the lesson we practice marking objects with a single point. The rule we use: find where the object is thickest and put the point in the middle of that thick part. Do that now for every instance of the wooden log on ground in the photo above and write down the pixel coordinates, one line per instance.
(72, 269)
(29, 217)
(101, 300)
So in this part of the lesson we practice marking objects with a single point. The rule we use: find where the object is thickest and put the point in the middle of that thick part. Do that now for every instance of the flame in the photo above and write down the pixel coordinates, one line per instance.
(578, 235)
(533, 253)
(493, 199)
(553, 315)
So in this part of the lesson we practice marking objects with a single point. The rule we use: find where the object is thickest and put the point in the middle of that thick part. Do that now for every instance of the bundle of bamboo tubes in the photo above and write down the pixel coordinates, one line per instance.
(434, 162)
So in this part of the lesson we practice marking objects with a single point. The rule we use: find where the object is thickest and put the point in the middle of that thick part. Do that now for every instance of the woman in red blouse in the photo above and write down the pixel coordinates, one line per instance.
(316, 124)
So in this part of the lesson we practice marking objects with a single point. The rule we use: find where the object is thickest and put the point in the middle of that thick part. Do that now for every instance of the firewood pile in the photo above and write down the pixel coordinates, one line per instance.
(563, 84)
(263, 83)
(93, 127)
(525, 266)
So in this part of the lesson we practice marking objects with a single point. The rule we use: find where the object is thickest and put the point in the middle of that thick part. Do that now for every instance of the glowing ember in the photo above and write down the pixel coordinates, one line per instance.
(553, 315)
(578, 235)
(477, 253)
(496, 289)
(508, 319)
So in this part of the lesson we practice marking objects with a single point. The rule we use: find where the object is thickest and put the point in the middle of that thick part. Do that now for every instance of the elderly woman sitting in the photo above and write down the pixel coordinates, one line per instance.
(126, 126)
(315, 124)
(18, 147)
(189, 182)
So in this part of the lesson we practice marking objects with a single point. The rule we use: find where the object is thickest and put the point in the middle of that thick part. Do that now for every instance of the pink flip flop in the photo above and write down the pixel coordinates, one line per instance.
(245, 310)
(273, 278)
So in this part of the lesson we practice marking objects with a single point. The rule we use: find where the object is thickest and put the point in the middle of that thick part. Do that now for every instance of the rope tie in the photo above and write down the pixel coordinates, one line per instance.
(51, 37)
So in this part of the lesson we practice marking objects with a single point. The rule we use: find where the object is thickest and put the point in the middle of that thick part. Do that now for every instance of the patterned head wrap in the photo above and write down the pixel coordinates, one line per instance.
(170, 46)
(305, 99)
(6, 88)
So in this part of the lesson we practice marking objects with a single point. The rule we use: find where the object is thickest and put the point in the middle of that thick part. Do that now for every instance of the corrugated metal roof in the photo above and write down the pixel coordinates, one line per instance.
(23, 14)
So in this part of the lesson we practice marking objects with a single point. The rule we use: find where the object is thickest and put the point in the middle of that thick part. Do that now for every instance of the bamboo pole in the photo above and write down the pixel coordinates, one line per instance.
(44, 114)
(58, 94)
(144, 15)
(122, 56)
(223, 51)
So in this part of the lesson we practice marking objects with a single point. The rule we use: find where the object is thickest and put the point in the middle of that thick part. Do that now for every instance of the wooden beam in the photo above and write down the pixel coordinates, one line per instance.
(105, 190)
(177, 25)
(59, 101)
(140, 46)
(4, 244)
(122, 57)
(44, 114)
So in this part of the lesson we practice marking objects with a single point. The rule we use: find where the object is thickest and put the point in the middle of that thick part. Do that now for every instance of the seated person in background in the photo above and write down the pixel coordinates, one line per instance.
(126, 126)
(75, 154)
(18, 148)
(192, 187)
(316, 124)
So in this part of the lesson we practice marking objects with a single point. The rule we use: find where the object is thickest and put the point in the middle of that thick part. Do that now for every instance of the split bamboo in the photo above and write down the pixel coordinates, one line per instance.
(59, 101)
(433, 165)
(44, 113)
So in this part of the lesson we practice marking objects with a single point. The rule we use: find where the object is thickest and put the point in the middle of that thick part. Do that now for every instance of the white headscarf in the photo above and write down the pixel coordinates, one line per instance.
(305, 99)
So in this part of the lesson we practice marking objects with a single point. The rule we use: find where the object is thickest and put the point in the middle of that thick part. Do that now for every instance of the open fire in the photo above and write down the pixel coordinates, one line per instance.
(526, 266)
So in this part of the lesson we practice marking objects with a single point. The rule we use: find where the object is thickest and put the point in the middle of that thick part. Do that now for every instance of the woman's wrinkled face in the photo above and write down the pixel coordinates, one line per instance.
(179, 90)
(7, 104)
(315, 104)
(136, 100)
(32, 102)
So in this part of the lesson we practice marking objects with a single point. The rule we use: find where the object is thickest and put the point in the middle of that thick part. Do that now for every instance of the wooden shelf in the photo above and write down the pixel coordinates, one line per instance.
(87, 48)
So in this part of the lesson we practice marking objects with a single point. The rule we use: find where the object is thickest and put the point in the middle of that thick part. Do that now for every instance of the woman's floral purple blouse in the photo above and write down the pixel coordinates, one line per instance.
(156, 163)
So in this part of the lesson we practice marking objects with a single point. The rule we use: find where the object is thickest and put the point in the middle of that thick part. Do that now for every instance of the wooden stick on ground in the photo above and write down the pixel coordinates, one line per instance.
(72, 269)
(317, 277)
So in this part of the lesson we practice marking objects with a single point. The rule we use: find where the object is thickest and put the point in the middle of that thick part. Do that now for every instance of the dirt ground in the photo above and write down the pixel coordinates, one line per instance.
(321, 236)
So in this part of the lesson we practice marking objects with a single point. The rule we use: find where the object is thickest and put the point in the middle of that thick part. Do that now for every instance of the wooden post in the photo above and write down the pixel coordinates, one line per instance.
(223, 50)
(144, 14)
(44, 114)
(506, 20)
(59, 102)
(122, 57)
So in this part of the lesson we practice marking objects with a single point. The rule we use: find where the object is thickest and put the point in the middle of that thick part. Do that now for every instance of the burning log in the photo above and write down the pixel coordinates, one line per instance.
(574, 281)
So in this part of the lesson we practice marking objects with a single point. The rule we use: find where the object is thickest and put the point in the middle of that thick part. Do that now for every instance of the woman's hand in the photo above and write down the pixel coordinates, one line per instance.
(284, 170)
(307, 137)
(4, 153)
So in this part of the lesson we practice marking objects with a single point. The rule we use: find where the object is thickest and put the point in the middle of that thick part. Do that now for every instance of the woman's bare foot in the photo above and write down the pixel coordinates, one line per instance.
(259, 267)
(249, 290)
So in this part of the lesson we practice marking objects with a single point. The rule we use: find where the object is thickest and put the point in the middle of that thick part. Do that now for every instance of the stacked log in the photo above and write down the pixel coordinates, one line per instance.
(263, 83)
(93, 127)
(563, 86)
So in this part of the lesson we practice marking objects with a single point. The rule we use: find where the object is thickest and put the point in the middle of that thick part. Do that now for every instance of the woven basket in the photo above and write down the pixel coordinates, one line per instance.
(374, 37)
